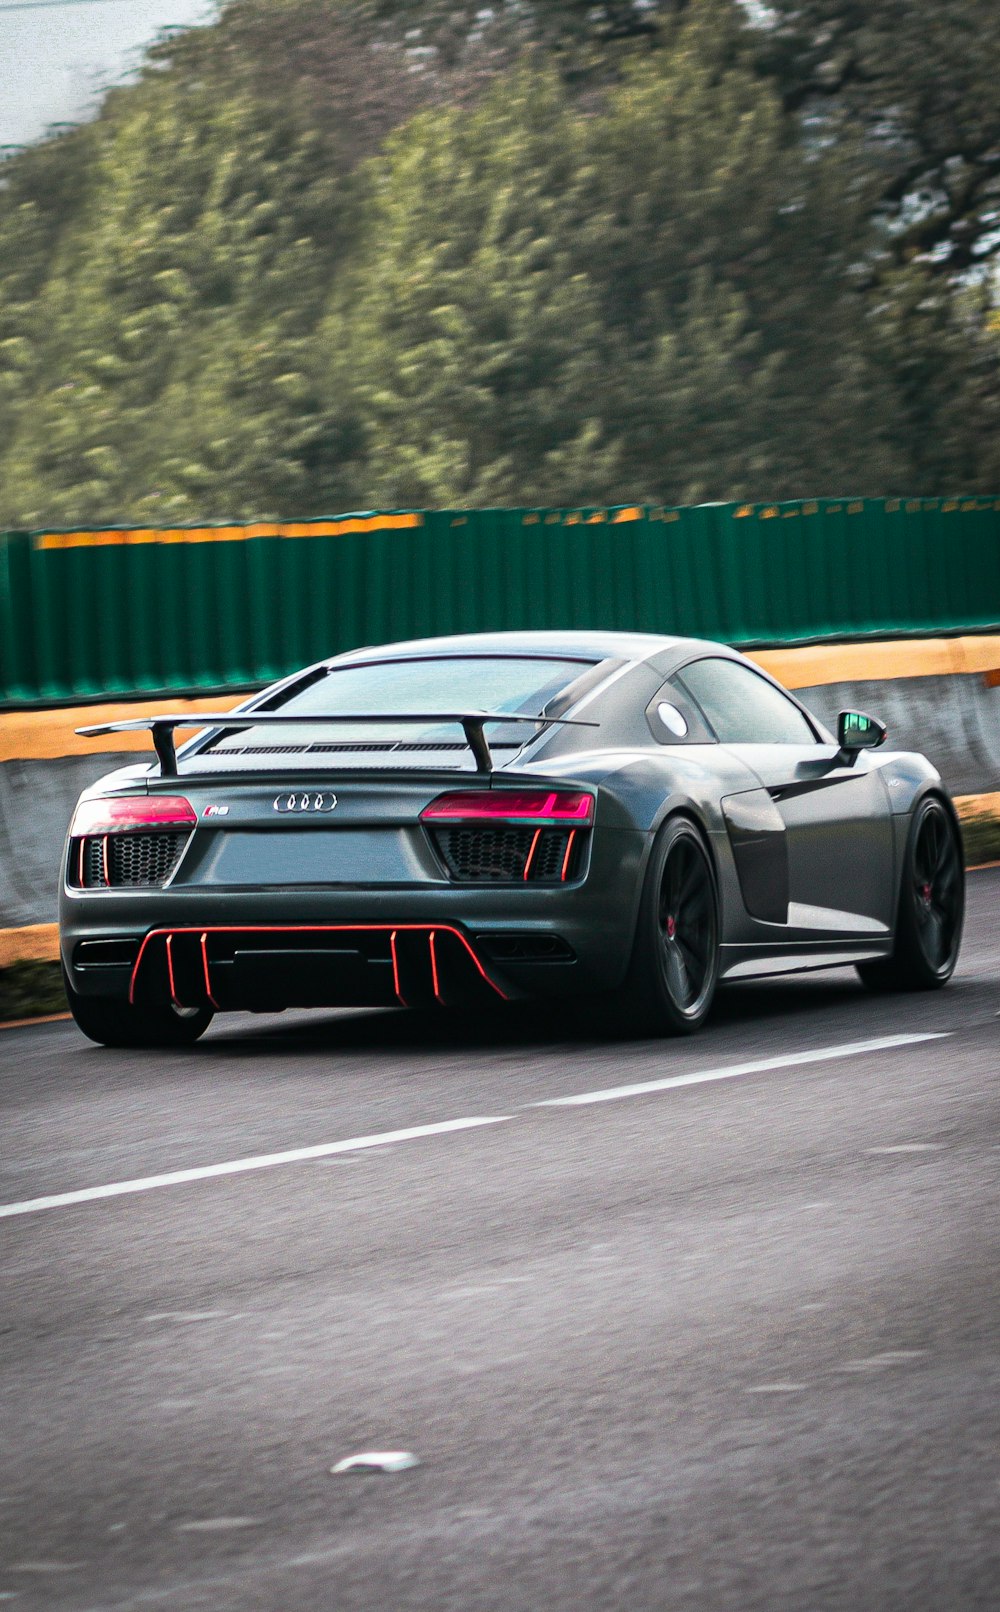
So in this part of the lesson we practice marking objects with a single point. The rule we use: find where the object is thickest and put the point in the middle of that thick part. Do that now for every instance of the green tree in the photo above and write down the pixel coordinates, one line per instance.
(470, 328)
(169, 380)
(918, 78)
(340, 253)
(908, 86)
(653, 302)
(729, 263)
(41, 194)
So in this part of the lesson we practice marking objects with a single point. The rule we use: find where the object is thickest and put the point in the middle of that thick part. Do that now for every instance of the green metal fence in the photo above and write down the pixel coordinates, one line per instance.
(84, 614)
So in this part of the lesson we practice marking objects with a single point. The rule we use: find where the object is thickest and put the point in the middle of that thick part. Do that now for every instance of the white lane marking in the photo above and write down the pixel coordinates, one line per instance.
(188, 1315)
(264, 1161)
(851, 1049)
(778, 1388)
(218, 1525)
(909, 1147)
(47, 1567)
(890, 1357)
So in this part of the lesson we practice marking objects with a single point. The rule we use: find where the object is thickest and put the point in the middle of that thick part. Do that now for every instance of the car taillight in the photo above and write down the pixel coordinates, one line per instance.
(512, 806)
(129, 813)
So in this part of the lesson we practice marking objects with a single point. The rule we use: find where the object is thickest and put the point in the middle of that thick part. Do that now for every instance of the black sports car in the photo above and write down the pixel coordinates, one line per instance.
(510, 815)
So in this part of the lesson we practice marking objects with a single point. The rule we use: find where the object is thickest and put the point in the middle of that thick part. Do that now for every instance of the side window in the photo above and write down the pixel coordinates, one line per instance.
(743, 708)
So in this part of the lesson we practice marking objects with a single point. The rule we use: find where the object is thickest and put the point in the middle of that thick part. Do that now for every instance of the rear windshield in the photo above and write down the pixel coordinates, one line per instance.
(525, 685)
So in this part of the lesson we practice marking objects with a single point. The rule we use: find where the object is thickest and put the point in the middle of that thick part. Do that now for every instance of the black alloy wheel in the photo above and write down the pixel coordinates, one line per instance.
(675, 964)
(931, 906)
(686, 923)
(938, 890)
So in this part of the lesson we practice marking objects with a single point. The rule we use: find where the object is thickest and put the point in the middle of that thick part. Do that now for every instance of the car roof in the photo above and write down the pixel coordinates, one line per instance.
(585, 644)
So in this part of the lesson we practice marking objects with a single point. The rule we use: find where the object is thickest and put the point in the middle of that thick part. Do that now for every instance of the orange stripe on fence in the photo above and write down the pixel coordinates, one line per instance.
(137, 537)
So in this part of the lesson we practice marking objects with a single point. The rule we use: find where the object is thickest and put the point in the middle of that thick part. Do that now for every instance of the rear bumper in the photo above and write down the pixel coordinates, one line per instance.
(334, 946)
(273, 967)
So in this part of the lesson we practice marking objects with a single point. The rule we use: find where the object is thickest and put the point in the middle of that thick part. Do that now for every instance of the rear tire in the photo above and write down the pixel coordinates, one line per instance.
(675, 960)
(120, 1024)
(931, 907)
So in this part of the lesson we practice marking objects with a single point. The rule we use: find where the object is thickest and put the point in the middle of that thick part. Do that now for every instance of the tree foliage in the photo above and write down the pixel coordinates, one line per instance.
(919, 80)
(909, 87)
(348, 253)
(650, 303)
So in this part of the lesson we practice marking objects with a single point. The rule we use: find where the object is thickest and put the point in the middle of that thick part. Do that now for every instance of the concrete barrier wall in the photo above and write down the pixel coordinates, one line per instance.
(36, 799)
(953, 717)
(954, 721)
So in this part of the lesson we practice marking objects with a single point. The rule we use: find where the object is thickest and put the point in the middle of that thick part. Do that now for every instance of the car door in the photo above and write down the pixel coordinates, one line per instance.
(822, 824)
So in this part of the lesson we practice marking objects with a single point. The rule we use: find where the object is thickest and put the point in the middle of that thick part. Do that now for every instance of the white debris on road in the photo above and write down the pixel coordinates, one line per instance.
(376, 1461)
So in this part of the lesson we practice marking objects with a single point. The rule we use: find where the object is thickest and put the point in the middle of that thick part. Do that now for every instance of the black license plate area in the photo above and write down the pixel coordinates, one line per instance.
(334, 972)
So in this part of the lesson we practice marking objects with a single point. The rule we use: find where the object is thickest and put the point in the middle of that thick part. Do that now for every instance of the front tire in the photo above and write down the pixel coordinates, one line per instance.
(675, 960)
(931, 906)
(120, 1024)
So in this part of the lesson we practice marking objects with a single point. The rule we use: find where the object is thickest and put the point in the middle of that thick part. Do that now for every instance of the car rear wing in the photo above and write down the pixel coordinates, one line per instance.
(163, 728)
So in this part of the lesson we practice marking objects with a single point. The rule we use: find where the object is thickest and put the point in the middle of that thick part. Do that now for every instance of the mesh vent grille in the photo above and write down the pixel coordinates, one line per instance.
(143, 858)
(375, 747)
(93, 863)
(263, 750)
(432, 744)
(146, 859)
(485, 853)
(549, 854)
(480, 853)
(350, 748)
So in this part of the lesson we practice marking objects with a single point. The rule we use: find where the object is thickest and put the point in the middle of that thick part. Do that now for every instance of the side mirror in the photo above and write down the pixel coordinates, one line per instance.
(855, 732)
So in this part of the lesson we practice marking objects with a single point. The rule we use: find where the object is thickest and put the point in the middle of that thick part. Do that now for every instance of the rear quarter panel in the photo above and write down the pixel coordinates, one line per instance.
(637, 792)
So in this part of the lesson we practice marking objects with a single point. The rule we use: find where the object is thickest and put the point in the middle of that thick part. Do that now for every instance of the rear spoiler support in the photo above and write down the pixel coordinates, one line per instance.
(163, 728)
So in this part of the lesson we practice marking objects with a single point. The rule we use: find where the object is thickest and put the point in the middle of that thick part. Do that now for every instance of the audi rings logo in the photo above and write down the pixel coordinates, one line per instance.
(307, 801)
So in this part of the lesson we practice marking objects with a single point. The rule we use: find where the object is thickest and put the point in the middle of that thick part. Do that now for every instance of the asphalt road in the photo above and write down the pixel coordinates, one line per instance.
(725, 1344)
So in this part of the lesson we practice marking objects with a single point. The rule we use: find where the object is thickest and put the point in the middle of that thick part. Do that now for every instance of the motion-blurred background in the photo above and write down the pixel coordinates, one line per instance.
(581, 265)
(330, 254)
